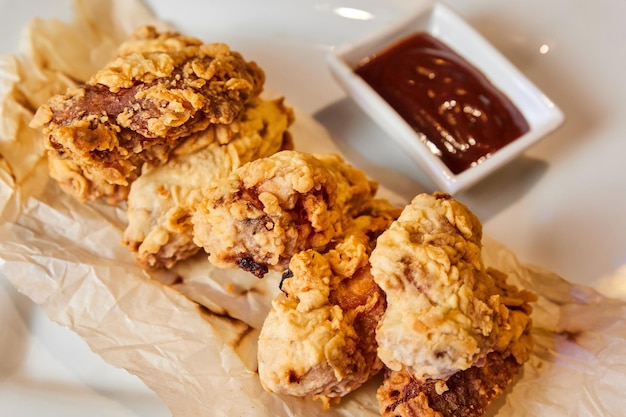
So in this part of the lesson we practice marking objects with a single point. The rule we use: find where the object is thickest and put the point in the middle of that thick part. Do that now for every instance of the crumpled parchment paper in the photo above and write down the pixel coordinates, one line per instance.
(190, 334)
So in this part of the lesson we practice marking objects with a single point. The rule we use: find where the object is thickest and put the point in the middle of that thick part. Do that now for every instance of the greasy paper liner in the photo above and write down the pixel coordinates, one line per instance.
(190, 334)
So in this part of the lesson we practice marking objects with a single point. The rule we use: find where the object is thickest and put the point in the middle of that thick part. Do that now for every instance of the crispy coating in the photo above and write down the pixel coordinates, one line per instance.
(454, 334)
(445, 311)
(467, 393)
(161, 88)
(84, 185)
(272, 208)
(319, 337)
(162, 199)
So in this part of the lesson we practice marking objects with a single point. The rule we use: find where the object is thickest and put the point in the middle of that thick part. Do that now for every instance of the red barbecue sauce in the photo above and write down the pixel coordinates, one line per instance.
(462, 116)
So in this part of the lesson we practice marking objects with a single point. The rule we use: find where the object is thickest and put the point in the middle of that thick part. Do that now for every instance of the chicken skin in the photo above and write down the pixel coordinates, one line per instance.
(160, 89)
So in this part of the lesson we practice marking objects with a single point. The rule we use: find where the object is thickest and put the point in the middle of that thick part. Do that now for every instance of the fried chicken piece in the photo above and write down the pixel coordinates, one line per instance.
(161, 88)
(162, 199)
(466, 393)
(319, 337)
(272, 208)
(445, 311)
(454, 334)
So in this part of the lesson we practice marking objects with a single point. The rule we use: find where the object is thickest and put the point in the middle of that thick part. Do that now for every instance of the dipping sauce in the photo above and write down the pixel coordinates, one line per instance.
(460, 115)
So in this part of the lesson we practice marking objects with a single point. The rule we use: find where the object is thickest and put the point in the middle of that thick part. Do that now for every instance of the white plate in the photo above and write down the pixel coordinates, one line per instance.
(436, 19)
(561, 206)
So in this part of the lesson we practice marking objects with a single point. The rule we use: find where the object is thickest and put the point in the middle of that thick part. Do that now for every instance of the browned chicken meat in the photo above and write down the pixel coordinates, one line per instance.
(466, 393)
(319, 337)
(162, 200)
(272, 208)
(161, 88)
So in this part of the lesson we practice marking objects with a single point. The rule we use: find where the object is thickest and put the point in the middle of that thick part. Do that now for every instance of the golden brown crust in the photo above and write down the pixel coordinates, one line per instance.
(445, 311)
(272, 208)
(467, 393)
(160, 89)
(455, 334)
(84, 185)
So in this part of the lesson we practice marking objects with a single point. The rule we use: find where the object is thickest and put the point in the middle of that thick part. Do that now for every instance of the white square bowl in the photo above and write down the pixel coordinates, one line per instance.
(541, 114)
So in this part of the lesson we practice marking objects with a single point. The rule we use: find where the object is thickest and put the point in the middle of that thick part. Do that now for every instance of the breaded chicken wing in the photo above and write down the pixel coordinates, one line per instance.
(161, 88)
(272, 208)
(319, 336)
(162, 200)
